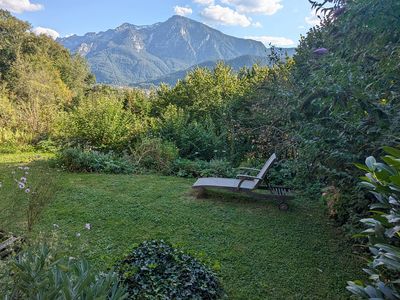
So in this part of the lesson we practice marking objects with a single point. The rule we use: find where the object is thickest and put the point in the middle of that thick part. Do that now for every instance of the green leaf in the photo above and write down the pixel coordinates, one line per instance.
(392, 151)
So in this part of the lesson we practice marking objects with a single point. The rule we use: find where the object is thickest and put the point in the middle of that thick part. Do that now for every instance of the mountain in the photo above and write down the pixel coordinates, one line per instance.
(131, 54)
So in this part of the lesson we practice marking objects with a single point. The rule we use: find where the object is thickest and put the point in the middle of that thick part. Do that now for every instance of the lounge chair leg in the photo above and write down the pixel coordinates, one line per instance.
(283, 206)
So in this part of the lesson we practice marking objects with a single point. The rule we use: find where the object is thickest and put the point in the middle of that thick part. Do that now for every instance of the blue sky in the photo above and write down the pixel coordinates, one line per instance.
(278, 21)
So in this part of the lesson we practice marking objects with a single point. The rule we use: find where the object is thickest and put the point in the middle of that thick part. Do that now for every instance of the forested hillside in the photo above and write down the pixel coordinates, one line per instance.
(336, 102)
(131, 54)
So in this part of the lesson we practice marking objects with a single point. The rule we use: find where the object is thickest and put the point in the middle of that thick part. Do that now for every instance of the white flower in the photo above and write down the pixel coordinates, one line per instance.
(26, 173)
(26, 168)
(56, 225)
(78, 234)
(23, 179)
(21, 185)
(27, 190)
(21, 168)
(88, 226)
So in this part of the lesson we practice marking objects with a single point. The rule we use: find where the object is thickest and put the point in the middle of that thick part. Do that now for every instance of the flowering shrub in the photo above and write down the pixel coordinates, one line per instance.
(156, 270)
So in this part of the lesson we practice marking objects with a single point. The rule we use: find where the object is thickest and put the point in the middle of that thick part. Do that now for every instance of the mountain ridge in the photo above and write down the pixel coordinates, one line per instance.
(130, 54)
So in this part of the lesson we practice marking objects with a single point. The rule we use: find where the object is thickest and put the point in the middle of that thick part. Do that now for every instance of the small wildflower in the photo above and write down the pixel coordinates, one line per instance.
(28, 190)
(71, 258)
(88, 226)
(26, 168)
(23, 179)
(26, 173)
(78, 234)
(21, 185)
(13, 172)
(21, 168)
(56, 225)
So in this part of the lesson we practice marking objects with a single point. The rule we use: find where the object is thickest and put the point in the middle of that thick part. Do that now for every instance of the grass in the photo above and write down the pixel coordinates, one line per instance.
(263, 253)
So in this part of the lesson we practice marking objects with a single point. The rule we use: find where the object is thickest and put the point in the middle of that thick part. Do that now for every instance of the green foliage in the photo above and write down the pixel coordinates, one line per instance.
(154, 154)
(156, 270)
(200, 168)
(383, 232)
(39, 78)
(77, 160)
(101, 124)
(37, 273)
(196, 113)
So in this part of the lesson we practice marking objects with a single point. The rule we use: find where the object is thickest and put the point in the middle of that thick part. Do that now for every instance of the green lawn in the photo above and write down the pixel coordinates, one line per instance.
(263, 253)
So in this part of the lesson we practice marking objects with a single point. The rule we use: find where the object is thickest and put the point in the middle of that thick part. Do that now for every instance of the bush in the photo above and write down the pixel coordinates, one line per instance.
(154, 154)
(156, 270)
(383, 232)
(37, 273)
(101, 124)
(200, 168)
(77, 160)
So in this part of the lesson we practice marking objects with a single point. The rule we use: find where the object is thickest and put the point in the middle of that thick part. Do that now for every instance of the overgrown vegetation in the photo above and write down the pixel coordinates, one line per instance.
(336, 102)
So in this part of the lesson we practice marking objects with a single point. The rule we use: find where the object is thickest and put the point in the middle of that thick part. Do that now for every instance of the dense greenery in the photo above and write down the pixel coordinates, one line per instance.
(320, 111)
(38, 79)
(336, 102)
(156, 270)
(76, 160)
(259, 251)
(38, 273)
(383, 179)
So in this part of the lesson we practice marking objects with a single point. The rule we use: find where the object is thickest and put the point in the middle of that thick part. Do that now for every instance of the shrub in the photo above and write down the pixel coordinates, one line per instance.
(37, 273)
(101, 123)
(156, 270)
(154, 154)
(77, 160)
(201, 168)
(383, 232)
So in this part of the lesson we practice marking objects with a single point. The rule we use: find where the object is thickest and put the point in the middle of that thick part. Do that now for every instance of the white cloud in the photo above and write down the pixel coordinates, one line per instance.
(225, 16)
(19, 6)
(274, 40)
(204, 2)
(183, 11)
(257, 25)
(265, 7)
(313, 19)
(46, 31)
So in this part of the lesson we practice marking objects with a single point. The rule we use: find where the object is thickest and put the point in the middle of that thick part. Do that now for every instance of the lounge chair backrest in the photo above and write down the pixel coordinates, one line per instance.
(265, 168)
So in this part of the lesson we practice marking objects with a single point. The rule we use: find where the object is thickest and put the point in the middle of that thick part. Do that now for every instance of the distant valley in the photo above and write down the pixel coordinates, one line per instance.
(132, 55)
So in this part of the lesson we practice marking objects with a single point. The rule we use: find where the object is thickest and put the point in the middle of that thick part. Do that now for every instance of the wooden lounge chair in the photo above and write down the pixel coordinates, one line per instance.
(244, 183)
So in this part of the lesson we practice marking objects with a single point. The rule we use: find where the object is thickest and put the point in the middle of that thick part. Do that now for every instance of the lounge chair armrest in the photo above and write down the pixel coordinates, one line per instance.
(245, 176)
